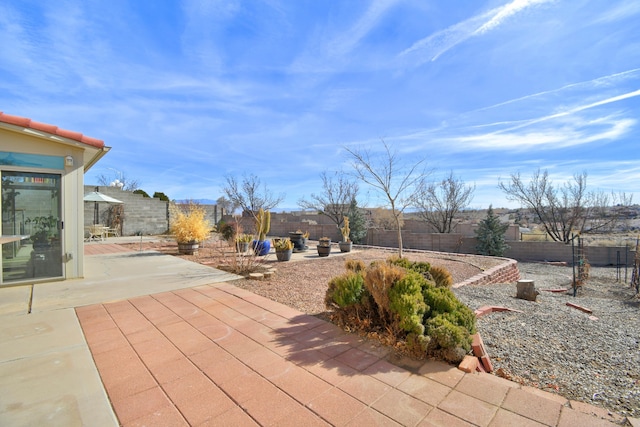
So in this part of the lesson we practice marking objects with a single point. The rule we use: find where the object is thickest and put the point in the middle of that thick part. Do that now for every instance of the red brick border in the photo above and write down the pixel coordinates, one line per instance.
(503, 273)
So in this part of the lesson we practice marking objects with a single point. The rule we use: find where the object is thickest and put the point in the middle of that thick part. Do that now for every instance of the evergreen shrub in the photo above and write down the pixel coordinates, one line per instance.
(426, 317)
(407, 303)
(345, 290)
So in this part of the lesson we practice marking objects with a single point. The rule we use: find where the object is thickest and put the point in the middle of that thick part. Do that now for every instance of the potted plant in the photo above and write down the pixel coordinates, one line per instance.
(44, 229)
(189, 227)
(242, 242)
(299, 240)
(346, 244)
(263, 225)
(284, 249)
(324, 246)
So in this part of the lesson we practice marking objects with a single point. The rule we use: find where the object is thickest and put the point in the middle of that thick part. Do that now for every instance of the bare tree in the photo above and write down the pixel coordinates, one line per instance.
(226, 205)
(568, 209)
(334, 201)
(387, 174)
(121, 181)
(439, 202)
(384, 219)
(250, 195)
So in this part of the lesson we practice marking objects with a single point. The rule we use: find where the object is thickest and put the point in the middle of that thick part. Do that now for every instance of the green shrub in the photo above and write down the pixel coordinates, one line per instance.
(417, 344)
(442, 301)
(400, 296)
(407, 303)
(417, 266)
(447, 335)
(227, 231)
(441, 277)
(345, 290)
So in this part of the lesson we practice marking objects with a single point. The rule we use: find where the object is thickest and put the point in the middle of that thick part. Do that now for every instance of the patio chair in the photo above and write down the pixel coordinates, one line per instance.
(97, 231)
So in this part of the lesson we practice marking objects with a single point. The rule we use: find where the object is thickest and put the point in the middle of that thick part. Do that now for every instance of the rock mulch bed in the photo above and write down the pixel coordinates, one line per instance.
(588, 357)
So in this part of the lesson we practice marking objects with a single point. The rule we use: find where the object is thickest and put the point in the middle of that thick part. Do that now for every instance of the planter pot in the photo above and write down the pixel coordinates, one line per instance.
(299, 242)
(261, 247)
(345, 246)
(242, 247)
(324, 250)
(189, 248)
(284, 255)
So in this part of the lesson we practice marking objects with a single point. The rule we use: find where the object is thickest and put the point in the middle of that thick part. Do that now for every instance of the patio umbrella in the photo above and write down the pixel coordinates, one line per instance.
(98, 197)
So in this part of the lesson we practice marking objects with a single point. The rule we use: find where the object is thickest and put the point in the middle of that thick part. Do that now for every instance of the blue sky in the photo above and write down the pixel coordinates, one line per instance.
(188, 92)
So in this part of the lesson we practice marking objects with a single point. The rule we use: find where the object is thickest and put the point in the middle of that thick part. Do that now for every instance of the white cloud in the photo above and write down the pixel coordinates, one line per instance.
(328, 52)
(431, 47)
(579, 108)
(624, 10)
(348, 40)
(560, 136)
(597, 83)
(504, 12)
(204, 20)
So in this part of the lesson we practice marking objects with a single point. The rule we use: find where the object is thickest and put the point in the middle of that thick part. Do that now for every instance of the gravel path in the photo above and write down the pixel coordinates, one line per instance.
(590, 358)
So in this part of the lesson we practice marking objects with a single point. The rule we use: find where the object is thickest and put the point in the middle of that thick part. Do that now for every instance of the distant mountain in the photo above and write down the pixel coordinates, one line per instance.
(198, 201)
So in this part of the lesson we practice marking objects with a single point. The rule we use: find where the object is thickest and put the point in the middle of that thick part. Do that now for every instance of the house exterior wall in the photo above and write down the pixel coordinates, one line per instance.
(71, 184)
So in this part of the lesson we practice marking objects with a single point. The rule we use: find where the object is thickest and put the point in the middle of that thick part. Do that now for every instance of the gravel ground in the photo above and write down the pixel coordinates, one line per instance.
(593, 358)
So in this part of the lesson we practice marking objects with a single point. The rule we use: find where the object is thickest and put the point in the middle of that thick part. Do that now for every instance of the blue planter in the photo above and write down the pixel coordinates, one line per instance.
(261, 247)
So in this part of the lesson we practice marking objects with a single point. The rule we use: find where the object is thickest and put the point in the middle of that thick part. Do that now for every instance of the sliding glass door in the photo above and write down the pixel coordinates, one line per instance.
(31, 227)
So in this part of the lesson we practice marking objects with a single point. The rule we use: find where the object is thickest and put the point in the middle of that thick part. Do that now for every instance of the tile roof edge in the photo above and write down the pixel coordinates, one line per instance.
(51, 129)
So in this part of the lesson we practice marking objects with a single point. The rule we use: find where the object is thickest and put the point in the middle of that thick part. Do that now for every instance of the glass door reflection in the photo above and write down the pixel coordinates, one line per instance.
(31, 243)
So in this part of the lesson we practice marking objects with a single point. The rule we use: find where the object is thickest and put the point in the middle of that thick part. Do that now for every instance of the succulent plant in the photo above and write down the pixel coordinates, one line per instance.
(282, 245)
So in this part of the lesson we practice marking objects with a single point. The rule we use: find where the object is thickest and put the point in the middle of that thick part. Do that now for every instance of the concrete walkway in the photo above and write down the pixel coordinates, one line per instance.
(156, 340)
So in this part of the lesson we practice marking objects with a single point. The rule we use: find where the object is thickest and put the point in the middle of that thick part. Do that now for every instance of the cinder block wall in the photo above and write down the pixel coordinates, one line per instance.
(151, 216)
(556, 251)
(141, 214)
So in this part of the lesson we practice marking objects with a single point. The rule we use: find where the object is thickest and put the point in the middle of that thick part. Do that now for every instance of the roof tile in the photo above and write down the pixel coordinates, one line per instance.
(51, 129)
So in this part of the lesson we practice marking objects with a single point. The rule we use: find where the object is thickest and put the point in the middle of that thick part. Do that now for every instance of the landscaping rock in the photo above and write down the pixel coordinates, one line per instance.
(526, 289)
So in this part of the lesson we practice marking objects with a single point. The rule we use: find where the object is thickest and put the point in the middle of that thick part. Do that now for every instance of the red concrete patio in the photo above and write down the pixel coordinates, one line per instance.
(220, 355)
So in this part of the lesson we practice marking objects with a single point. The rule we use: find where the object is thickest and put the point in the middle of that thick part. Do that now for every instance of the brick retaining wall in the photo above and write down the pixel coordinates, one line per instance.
(506, 272)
